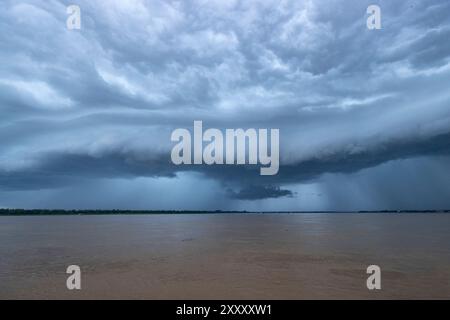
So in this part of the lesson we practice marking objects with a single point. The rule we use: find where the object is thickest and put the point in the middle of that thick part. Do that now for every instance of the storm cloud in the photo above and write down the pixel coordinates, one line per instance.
(96, 106)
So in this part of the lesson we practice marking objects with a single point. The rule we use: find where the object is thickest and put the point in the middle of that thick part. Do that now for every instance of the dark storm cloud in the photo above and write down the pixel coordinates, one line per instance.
(101, 102)
(259, 192)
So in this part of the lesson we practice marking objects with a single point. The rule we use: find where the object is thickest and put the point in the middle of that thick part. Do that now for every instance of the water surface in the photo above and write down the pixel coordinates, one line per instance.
(226, 256)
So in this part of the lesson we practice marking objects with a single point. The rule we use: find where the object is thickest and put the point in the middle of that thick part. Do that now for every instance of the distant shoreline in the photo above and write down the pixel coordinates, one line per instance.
(58, 212)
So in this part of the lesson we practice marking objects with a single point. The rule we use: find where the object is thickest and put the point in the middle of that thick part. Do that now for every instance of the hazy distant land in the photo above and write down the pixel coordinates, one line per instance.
(45, 212)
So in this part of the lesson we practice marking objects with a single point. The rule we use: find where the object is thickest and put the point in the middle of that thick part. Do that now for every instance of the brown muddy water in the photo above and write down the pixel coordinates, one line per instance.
(226, 256)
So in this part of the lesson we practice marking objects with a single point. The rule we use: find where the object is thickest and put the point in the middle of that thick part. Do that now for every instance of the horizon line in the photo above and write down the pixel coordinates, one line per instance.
(18, 211)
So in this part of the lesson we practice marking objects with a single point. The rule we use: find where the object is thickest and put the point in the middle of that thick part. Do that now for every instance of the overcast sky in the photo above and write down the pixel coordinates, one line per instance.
(86, 115)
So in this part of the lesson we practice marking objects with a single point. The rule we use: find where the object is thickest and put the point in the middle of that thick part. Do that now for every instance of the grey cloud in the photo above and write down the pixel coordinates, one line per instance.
(100, 103)
(259, 192)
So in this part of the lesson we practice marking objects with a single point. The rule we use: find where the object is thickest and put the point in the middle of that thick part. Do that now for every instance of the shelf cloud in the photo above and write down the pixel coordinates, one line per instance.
(96, 106)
